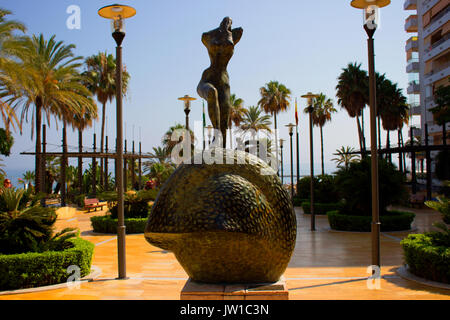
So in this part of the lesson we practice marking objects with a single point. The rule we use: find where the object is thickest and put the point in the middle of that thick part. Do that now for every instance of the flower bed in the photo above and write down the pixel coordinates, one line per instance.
(393, 221)
(426, 259)
(106, 224)
(33, 269)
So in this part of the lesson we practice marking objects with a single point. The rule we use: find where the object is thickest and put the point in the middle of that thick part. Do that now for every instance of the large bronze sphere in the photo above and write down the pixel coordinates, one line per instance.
(225, 223)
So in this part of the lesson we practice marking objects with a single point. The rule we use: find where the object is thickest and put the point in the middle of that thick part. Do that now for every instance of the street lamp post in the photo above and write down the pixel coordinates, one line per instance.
(282, 170)
(187, 107)
(310, 96)
(371, 8)
(117, 14)
(291, 133)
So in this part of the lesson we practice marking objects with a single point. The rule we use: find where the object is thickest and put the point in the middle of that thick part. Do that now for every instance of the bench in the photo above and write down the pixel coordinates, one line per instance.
(92, 204)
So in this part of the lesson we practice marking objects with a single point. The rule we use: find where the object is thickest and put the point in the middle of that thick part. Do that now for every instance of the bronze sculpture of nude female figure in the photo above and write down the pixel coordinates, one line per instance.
(214, 86)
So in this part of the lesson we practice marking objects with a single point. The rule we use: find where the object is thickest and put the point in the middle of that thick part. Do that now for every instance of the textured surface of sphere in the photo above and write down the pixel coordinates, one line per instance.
(225, 223)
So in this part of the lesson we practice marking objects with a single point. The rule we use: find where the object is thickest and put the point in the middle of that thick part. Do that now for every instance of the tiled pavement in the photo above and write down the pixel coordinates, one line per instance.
(325, 265)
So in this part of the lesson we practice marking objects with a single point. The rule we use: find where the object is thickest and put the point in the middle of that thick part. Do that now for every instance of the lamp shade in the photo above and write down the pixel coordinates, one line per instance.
(363, 4)
(291, 127)
(117, 11)
(310, 96)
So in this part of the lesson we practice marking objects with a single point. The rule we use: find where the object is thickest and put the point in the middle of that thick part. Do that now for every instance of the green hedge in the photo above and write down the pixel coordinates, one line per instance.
(425, 259)
(320, 208)
(106, 224)
(32, 269)
(394, 221)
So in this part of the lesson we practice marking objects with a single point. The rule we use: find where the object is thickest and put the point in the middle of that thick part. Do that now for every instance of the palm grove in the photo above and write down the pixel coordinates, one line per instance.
(44, 79)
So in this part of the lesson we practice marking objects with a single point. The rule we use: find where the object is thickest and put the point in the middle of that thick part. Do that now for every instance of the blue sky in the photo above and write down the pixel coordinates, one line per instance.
(303, 44)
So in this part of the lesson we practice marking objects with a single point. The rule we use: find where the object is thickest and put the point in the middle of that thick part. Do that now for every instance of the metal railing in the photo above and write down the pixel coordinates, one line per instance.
(438, 43)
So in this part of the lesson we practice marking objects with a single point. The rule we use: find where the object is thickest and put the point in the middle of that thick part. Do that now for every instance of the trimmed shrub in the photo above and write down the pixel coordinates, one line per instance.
(324, 189)
(426, 259)
(443, 206)
(354, 185)
(136, 204)
(29, 270)
(321, 208)
(107, 224)
(393, 221)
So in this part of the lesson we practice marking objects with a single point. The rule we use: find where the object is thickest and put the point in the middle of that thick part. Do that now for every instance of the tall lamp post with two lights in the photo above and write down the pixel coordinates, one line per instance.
(117, 14)
(371, 14)
(310, 96)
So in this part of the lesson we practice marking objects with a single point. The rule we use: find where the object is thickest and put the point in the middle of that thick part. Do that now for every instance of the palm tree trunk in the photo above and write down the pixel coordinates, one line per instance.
(363, 129)
(231, 136)
(37, 171)
(379, 135)
(321, 146)
(388, 145)
(102, 142)
(360, 137)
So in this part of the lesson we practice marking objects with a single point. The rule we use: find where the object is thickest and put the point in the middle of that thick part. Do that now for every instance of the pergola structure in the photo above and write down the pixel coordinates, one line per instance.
(413, 149)
(107, 154)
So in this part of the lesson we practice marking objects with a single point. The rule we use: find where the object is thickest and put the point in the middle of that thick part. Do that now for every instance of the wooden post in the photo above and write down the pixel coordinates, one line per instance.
(80, 161)
(133, 167)
(428, 156)
(94, 170)
(413, 165)
(105, 184)
(140, 165)
(63, 166)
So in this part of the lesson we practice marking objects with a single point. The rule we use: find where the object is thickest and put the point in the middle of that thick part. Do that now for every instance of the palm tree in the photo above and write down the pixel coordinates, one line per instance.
(275, 98)
(255, 121)
(167, 142)
(160, 155)
(352, 93)
(101, 81)
(28, 177)
(393, 109)
(8, 67)
(50, 86)
(322, 110)
(236, 113)
(344, 157)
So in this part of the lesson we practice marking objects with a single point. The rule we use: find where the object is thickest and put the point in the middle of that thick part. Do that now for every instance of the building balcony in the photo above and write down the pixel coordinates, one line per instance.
(436, 22)
(415, 109)
(438, 47)
(428, 4)
(436, 75)
(411, 23)
(414, 87)
(412, 45)
(410, 5)
(413, 67)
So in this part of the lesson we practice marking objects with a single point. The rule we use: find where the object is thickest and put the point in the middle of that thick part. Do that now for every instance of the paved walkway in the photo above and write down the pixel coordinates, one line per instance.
(325, 265)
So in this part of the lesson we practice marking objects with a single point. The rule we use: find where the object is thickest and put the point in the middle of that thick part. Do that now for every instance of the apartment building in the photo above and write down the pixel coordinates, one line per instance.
(428, 61)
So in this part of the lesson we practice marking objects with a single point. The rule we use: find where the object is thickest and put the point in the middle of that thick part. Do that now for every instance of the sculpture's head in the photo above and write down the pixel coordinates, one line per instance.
(222, 38)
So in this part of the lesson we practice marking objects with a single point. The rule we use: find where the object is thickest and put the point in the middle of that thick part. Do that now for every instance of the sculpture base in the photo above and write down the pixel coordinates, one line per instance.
(263, 291)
